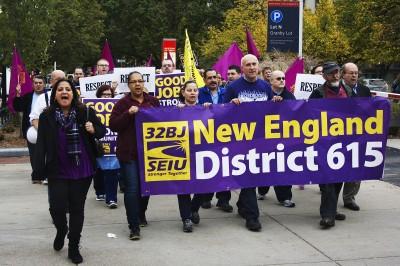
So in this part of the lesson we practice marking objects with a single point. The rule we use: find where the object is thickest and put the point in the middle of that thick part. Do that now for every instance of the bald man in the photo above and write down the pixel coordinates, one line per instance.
(283, 193)
(103, 67)
(350, 82)
(249, 88)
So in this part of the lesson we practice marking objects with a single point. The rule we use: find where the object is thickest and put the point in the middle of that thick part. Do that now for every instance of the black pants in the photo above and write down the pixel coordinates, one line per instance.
(184, 203)
(31, 149)
(282, 192)
(98, 182)
(198, 199)
(329, 198)
(68, 194)
(247, 203)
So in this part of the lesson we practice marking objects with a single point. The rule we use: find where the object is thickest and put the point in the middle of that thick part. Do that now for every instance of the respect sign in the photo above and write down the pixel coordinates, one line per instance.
(200, 150)
(103, 108)
(148, 73)
(306, 84)
(89, 85)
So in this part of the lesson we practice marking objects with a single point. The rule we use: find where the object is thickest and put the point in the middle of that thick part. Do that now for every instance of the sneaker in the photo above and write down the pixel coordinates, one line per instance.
(74, 255)
(134, 234)
(143, 221)
(352, 206)
(195, 217)
(288, 204)
(45, 182)
(326, 223)
(187, 226)
(112, 205)
(225, 207)
(206, 205)
(36, 182)
(261, 197)
(100, 197)
(340, 216)
(253, 225)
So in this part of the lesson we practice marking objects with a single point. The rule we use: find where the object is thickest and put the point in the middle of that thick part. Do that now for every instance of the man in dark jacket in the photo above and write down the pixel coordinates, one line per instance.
(350, 82)
(24, 104)
(332, 88)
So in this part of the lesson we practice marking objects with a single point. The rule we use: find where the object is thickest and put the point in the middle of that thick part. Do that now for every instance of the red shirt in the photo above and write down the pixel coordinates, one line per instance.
(124, 124)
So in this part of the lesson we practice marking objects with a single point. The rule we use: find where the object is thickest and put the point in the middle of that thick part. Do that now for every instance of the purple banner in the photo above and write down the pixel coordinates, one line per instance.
(168, 87)
(103, 108)
(225, 147)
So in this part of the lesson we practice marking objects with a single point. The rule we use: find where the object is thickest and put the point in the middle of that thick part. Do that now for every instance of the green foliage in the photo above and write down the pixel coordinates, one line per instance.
(323, 37)
(78, 29)
(243, 15)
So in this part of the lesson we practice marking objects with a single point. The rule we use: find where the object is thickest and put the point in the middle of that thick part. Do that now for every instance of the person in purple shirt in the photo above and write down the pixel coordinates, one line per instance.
(66, 155)
(249, 88)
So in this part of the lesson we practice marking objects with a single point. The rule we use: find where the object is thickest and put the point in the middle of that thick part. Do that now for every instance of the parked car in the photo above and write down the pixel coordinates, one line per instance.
(376, 84)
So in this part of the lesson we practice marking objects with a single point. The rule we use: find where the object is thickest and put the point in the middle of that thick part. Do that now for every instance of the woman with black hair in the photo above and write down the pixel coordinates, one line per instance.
(65, 155)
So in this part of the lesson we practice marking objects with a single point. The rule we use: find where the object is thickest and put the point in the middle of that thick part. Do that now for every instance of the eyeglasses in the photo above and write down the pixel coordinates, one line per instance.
(166, 65)
(280, 78)
(102, 65)
(135, 81)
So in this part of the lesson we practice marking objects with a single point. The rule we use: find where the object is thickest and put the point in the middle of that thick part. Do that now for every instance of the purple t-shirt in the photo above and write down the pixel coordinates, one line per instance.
(67, 166)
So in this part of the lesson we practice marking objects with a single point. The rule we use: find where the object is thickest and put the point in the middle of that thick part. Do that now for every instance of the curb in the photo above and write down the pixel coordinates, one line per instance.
(14, 152)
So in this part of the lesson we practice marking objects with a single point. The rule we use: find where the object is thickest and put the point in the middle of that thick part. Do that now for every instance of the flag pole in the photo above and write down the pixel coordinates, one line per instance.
(300, 55)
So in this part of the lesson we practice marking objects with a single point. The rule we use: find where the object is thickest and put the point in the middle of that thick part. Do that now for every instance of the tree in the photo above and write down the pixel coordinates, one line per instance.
(143, 23)
(243, 15)
(28, 25)
(78, 29)
(323, 36)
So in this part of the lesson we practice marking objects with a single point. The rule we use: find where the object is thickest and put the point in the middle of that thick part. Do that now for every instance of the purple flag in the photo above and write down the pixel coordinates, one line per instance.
(149, 62)
(232, 56)
(20, 76)
(290, 75)
(106, 54)
(251, 45)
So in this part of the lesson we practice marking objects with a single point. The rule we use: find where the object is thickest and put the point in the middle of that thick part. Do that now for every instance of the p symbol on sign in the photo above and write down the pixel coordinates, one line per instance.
(276, 16)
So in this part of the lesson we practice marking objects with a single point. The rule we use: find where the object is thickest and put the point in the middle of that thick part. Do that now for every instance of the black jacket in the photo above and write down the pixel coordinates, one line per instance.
(24, 104)
(46, 159)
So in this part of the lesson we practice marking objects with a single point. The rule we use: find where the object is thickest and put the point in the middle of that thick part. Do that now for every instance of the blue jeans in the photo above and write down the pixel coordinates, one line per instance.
(111, 184)
(132, 192)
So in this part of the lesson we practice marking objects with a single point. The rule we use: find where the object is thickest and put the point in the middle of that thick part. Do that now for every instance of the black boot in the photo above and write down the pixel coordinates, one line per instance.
(60, 222)
(74, 255)
(59, 240)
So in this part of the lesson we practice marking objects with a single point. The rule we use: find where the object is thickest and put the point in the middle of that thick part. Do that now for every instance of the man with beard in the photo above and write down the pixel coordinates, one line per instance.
(330, 192)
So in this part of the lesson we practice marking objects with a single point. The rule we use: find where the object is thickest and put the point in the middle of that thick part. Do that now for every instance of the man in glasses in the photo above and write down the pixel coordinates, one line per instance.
(102, 67)
(330, 192)
(167, 66)
(350, 82)
(283, 193)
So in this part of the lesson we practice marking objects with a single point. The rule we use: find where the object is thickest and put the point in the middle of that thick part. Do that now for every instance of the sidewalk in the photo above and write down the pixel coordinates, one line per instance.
(289, 236)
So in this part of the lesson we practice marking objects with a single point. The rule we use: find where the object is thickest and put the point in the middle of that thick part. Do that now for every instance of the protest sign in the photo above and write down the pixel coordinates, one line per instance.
(148, 73)
(200, 150)
(306, 84)
(168, 87)
(103, 108)
(89, 85)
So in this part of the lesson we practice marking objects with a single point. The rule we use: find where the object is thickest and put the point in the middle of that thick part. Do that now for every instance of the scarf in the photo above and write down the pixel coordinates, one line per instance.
(69, 124)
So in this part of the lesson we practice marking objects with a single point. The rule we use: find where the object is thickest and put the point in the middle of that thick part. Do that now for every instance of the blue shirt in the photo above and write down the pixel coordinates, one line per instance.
(248, 91)
(206, 97)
